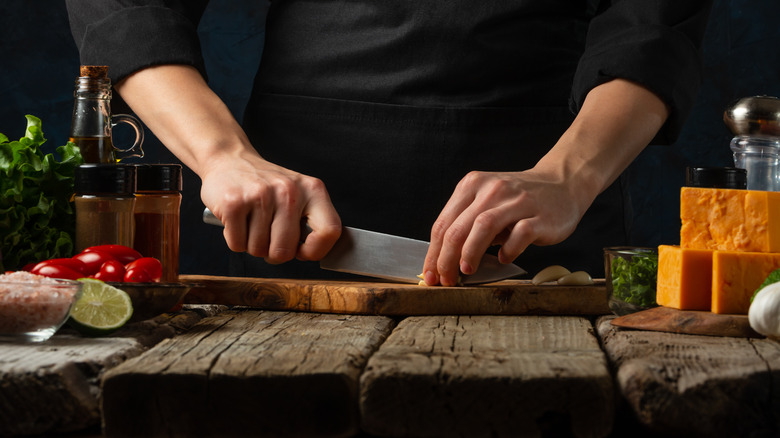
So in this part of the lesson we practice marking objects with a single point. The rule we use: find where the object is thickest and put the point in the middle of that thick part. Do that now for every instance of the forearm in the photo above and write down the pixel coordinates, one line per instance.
(617, 121)
(185, 114)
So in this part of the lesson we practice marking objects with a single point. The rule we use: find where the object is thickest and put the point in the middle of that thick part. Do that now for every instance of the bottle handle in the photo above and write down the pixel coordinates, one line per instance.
(136, 149)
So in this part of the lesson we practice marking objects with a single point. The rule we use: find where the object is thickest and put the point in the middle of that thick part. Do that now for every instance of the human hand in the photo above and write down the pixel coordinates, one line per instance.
(511, 209)
(262, 206)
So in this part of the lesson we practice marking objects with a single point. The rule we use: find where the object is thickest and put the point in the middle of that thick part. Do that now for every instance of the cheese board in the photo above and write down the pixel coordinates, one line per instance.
(507, 297)
(692, 322)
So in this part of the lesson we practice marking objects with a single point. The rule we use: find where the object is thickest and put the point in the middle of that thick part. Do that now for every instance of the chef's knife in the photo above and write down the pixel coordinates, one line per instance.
(391, 257)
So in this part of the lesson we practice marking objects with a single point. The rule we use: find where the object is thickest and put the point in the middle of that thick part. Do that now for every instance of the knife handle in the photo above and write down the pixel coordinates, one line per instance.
(209, 218)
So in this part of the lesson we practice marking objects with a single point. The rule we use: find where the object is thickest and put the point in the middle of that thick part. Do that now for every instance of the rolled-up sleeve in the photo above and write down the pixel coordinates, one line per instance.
(130, 35)
(655, 43)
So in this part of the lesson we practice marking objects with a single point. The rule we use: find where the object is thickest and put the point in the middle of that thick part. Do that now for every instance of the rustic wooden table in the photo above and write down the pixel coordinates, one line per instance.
(218, 371)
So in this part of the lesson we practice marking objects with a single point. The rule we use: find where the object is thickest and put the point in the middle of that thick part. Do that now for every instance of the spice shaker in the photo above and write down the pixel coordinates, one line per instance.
(104, 200)
(716, 177)
(157, 204)
(755, 121)
(92, 121)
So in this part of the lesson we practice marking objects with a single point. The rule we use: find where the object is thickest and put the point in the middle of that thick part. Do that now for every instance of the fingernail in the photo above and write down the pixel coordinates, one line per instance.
(466, 268)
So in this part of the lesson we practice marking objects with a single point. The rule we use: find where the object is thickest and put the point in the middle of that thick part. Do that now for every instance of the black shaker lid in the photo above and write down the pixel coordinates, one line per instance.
(716, 177)
(158, 177)
(98, 179)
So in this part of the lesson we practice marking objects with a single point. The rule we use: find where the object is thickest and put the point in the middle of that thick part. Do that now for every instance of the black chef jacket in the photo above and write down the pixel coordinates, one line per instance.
(391, 103)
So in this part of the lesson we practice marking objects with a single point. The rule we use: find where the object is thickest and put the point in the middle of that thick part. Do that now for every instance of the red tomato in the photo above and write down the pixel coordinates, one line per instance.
(28, 267)
(93, 260)
(111, 270)
(176, 307)
(76, 265)
(57, 271)
(150, 265)
(137, 275)
(124, 254)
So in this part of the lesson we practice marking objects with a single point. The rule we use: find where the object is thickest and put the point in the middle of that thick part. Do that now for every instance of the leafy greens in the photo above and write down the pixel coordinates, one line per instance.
(773, 277)
(37, 220)
(634, 280)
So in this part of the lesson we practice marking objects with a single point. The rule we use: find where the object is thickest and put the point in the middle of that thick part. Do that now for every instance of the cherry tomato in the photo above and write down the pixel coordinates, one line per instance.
(151, 265)
(124, 254)
(176, 307)
(93, 260)
(57, 271)
(111, 270)
(76, 265)
(137, 275)
(28, 267)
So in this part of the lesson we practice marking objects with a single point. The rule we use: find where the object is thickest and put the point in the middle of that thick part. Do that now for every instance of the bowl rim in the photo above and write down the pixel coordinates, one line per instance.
(630, 250)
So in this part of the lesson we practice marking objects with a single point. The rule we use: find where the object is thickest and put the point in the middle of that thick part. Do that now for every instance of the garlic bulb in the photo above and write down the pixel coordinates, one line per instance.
(764, 313)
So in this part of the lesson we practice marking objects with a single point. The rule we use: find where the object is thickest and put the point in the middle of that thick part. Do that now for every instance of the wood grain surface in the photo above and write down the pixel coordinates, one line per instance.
(508, 297)
(488, 376)
(247, 373)
(54, 386)
(690, 322)
(696, 386)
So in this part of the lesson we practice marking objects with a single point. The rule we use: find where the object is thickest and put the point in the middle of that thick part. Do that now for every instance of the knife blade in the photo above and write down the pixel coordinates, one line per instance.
(389, 257)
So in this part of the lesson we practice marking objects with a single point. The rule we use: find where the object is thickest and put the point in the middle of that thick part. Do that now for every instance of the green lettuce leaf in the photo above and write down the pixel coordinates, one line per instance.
(37, 219)
(773, 277)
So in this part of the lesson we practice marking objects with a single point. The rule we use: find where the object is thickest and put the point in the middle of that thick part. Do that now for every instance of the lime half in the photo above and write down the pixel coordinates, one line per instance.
(102, 308)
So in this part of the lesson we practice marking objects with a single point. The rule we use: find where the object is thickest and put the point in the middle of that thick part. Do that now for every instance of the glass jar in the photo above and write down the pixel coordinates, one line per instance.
(92, 121)
(631, 277)
(157, 205)
(104, 200)
(760, 156)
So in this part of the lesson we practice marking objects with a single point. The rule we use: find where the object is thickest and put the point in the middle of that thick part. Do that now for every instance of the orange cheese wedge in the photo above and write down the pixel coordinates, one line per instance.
(736, 276)
(684, 278)
(730, 220)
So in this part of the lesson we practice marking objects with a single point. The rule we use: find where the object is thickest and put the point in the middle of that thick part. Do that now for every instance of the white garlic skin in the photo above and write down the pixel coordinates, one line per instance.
(764, 313)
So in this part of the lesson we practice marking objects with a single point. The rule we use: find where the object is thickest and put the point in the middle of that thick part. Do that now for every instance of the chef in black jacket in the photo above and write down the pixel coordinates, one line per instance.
(477, 125)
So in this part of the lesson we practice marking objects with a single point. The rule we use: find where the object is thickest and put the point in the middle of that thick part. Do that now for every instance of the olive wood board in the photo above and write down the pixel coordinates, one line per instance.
(692, 322)
(508, 297)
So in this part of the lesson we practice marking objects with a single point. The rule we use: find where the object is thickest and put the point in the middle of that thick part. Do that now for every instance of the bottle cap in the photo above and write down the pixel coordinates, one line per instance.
(105, 179)
(158, 177)
(716, 177)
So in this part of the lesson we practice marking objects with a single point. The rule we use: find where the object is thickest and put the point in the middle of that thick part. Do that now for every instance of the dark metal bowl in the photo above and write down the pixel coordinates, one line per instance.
(756, 115)
(152, 299)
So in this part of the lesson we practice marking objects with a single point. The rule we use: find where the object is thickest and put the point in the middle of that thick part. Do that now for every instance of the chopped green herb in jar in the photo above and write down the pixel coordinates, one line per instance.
(634, 280)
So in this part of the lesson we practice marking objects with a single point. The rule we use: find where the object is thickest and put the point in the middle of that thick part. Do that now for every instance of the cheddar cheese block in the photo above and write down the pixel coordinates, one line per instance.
(684, 278)
(730, 219)
(736, 276)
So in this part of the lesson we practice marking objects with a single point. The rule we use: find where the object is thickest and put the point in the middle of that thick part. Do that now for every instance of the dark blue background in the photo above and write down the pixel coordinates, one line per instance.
(40, 62)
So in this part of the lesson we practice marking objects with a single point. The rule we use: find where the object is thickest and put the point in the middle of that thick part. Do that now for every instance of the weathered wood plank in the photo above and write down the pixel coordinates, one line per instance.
(54, 386)
(247, 372)
(508, 297)
(699, 386)
(488, 376)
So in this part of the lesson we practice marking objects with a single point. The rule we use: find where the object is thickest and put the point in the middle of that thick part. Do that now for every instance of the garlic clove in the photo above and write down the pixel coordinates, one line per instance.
(550, 273)
(578, 278)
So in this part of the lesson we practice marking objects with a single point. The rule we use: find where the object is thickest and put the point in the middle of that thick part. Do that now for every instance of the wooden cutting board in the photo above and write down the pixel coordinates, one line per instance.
(508, 297)
(692, 322)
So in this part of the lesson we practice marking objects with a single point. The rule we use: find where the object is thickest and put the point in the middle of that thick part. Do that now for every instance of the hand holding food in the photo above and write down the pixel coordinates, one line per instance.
(511, 209)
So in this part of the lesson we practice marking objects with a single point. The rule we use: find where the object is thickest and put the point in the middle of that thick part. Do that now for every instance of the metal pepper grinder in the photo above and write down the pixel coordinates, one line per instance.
(755, 122)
